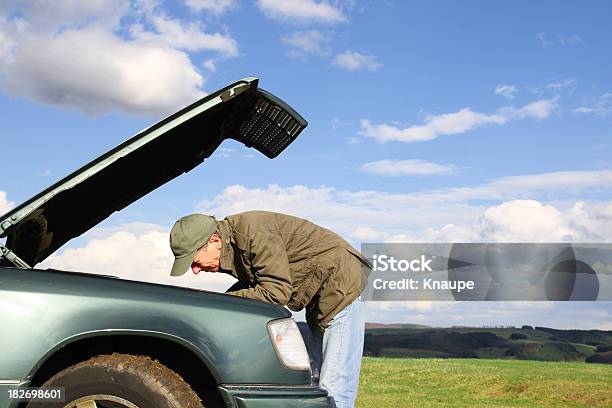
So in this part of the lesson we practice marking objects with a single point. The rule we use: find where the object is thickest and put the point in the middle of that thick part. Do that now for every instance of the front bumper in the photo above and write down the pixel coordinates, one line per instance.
(261, 396)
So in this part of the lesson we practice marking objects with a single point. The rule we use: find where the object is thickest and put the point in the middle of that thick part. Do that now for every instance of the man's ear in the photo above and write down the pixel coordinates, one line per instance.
(215, 239)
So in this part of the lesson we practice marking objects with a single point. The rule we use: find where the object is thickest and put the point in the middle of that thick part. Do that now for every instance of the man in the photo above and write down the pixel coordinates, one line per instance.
(289, 261)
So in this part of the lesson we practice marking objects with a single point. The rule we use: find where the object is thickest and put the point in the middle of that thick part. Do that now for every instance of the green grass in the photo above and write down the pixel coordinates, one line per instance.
(584, 348)
(402, 352)
(407, 382)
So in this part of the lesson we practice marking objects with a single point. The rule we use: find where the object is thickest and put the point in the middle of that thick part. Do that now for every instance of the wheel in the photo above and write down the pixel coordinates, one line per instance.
(122, 381)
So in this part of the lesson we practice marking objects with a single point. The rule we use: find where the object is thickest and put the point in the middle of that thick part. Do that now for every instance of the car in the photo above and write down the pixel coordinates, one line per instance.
(111, 342)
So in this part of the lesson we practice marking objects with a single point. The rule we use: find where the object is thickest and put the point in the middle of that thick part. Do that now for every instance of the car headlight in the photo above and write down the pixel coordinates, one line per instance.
(288, 343)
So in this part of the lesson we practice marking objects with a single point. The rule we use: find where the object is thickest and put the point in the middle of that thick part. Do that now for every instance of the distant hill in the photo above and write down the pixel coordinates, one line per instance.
(395, 326)
(539, 343)
(603, 358)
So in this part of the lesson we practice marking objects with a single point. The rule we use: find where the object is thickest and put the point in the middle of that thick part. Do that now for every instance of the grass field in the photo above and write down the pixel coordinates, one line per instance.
(407, 382)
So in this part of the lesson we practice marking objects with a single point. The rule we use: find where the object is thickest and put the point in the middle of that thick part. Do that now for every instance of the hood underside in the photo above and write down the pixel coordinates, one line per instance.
(175, 145)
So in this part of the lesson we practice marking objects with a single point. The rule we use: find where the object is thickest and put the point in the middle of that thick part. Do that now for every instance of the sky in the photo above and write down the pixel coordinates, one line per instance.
(429, 121)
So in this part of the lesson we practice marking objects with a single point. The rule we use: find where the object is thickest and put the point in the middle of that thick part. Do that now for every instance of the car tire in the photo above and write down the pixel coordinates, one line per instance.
(122, 380)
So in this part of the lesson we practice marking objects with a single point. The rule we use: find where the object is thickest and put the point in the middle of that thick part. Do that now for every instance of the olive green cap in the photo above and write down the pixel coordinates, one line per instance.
(189, 234)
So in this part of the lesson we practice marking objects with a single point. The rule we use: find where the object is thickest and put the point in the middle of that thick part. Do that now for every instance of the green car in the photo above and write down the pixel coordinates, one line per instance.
(101, 341)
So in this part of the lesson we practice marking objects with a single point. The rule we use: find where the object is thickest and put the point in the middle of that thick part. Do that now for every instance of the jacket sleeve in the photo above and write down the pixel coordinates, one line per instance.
(270, 265)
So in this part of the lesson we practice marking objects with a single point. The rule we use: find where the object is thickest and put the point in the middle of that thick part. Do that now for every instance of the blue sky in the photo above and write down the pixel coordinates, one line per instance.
(429, 121)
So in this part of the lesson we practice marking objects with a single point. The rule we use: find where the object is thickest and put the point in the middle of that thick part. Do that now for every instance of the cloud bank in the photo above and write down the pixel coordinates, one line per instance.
(442, 215)
(100, 56)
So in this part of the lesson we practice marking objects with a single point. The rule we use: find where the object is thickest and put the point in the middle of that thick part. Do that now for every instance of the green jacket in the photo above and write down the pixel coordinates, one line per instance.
(292, 262)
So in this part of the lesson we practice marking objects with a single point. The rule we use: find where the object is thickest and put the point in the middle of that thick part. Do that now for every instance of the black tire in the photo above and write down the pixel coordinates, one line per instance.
(118, 380)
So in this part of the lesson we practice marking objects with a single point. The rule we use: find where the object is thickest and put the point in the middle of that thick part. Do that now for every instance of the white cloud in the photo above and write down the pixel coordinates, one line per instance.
(341, 211)
(7, 44)
(190, 37)
(534, 110)
(77, 59)
(555, 88)
(5, 204)
(592, 221)
(406, 168)
(301, 11)
(303, 43)
(10, 30)
(507, 91)
(136, 252)
(131, 76)
(571, 40)
(525, 220)
(560, 40)
(6, 47)
(225, 152)
(526, 186)
(562, 84)
(367, 234)
(53, 16)
(543, 40)
(440, 215)
(216, 7)
(354, 61)
(210, 65)
(456, 122)
(600, 106)
(469, 232)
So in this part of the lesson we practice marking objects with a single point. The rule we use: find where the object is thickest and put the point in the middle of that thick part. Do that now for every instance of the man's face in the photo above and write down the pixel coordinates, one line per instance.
(208, 257)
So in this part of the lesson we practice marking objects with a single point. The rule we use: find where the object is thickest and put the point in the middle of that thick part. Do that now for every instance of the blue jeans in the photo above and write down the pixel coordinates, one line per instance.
(336, 356)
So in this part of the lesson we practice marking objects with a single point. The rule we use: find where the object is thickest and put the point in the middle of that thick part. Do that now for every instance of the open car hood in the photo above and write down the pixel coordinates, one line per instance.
(173, 146)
